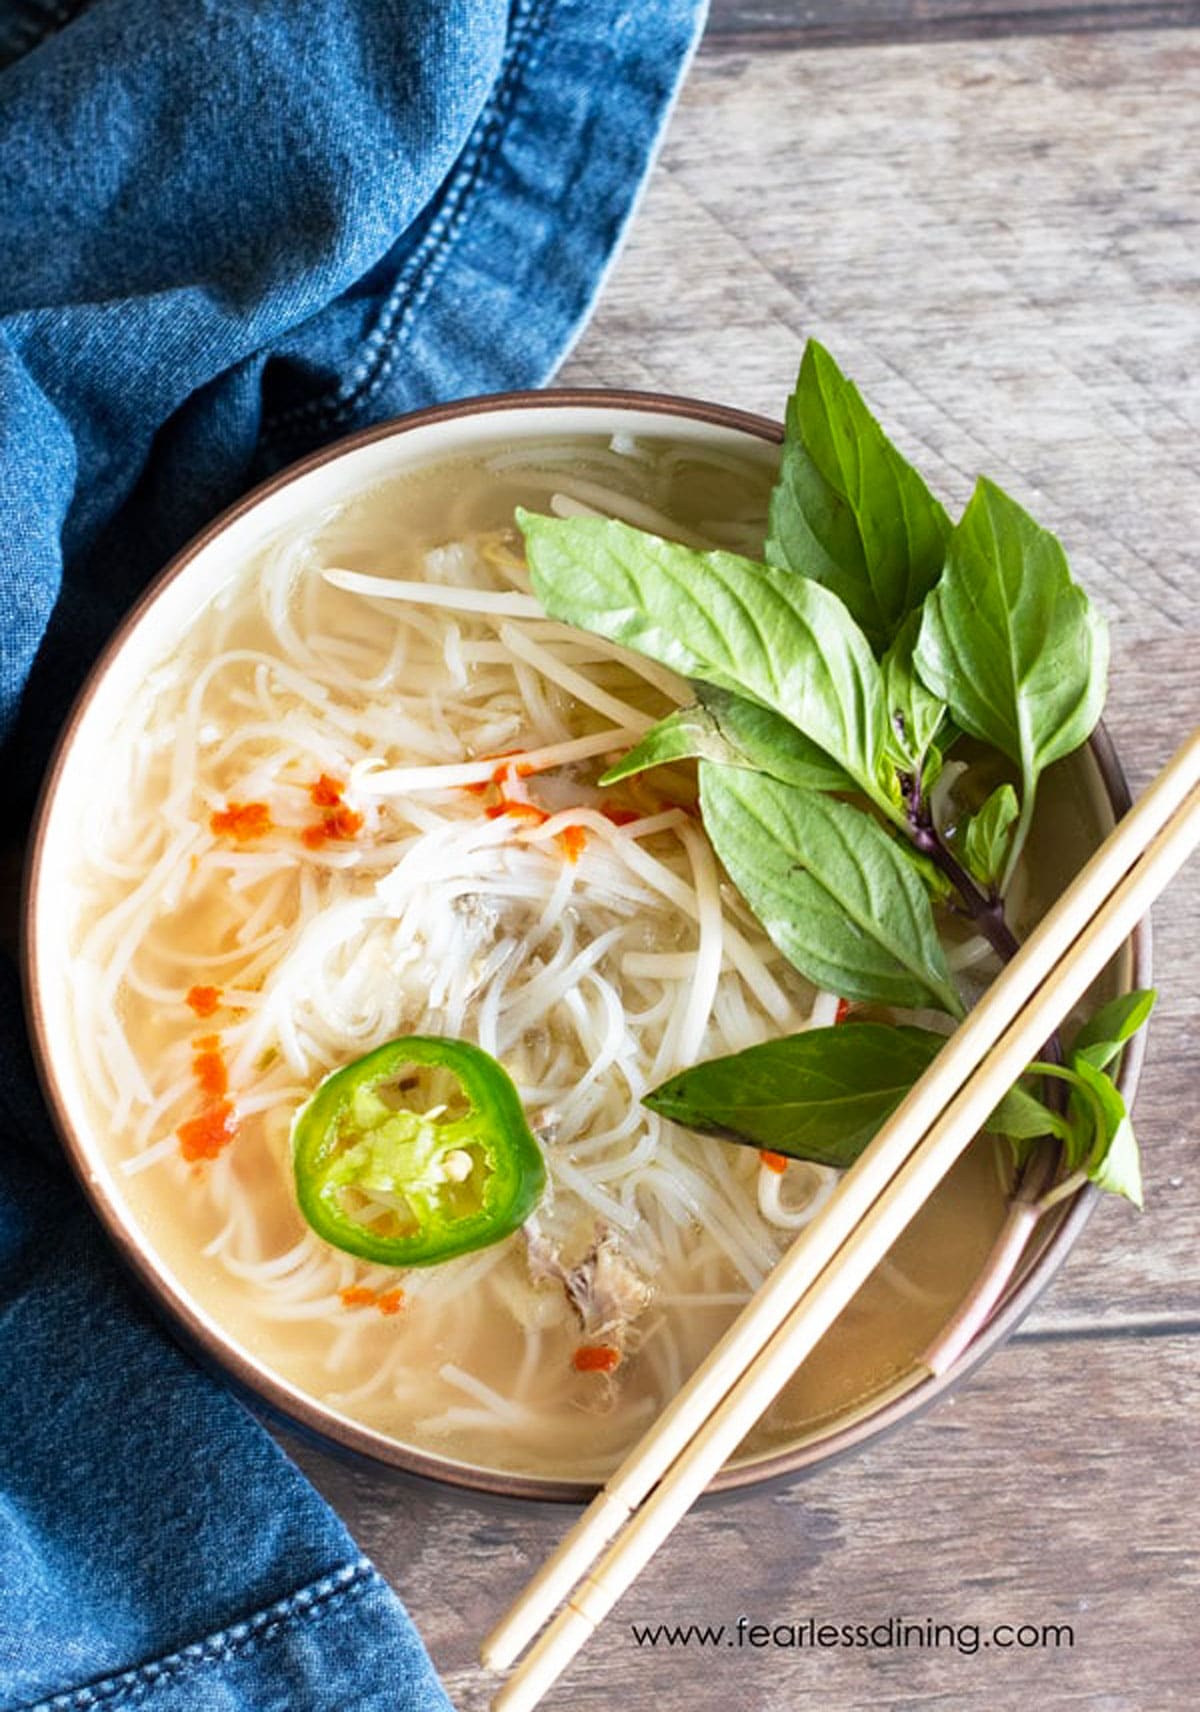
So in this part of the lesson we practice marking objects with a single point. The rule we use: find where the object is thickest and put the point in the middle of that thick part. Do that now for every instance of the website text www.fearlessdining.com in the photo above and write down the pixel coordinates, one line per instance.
(889, 1633)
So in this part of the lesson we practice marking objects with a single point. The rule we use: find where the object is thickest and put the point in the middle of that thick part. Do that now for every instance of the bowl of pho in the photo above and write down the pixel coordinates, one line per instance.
(507, 867)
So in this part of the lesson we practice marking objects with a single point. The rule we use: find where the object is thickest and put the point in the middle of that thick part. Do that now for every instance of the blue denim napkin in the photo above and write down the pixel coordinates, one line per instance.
(230, 230)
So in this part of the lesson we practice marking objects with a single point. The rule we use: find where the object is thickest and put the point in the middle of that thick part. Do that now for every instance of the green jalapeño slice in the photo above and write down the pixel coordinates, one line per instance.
(416, 1153)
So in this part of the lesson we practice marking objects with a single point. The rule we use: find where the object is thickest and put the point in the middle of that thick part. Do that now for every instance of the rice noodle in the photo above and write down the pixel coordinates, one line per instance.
(594, 957)
(379, 780)
(484, 601)
(604, 501)
(817, 1184)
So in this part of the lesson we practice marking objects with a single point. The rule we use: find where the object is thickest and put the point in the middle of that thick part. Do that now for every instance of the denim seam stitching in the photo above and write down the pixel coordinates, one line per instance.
(419, 274)
(241, 1639)
(525, 61)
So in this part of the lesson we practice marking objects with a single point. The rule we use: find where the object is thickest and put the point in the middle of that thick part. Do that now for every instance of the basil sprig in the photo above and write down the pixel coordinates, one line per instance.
(720, 726)
(776, 639)
(822, 1095)
(1011, 644)
(831, 888)
(831, 679)
(987, 836)
(848, 510)
(916, 717)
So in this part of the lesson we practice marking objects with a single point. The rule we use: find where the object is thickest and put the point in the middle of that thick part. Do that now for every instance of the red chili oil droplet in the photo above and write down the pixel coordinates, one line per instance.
(596, 1358)
(343, 822)
(208, 1067)
(388, 1302)
(505, 765)
(241, 821)
(571, 841)
(206, 1136)
(520, 810)
(339, 823)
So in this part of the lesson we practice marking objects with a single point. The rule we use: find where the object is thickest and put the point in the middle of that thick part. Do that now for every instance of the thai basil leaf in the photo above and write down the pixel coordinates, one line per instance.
(1102, 1143)
(1023, 1117)
(914, 713)
(1113, 1160)
(1103, 1035)
(988, 835)
(820, 1095)
(779, 640)
(1119, 1168)
(740, 733)
(770, 743)
(684, 735)
(1011, 643)
(823, 1095)
(847, 509)
(935, 760)
(830, 887)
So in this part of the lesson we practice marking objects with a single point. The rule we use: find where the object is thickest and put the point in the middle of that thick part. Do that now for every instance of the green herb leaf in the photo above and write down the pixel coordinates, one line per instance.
(780, 640)
(847, 509)
(988, 834)
(820, 1095)
(914, 713)
(823, 1095)
(1102, 1037)
(1101, 1144)
(1120, 1169)
(950, 735)
(1011, 643)
(1113, 1161)
(1021, 1116)
(724, 727)
(770, 743)
(684, 735)
(830, 887)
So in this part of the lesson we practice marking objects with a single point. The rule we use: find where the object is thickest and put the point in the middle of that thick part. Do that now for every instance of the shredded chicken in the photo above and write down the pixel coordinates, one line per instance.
(604, 1289)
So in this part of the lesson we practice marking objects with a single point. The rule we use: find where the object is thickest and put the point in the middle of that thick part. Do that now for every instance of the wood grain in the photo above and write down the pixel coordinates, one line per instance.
(999, 241)
(764, 25)
(989, 1510)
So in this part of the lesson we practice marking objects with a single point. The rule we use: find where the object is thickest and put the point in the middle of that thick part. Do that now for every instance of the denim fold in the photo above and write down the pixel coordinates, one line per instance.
(232, 231)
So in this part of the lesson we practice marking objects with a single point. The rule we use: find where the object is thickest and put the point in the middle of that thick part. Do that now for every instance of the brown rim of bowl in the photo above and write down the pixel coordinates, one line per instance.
(1045, 1255)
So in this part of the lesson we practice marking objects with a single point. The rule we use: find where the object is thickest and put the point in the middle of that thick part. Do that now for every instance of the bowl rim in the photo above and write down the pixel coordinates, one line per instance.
(284, 1401)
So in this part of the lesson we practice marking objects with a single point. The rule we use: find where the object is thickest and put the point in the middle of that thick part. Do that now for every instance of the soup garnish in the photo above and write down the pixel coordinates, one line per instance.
(834, 678)
(380, 1179)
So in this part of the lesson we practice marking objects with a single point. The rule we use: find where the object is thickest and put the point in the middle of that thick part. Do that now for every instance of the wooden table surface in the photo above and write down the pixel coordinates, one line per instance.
(987, 208)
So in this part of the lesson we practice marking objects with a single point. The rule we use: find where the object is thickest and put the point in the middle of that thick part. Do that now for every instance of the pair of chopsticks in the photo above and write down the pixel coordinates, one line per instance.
(834, 1255)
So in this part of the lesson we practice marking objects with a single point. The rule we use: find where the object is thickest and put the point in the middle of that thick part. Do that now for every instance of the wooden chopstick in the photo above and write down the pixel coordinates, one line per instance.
(717, 1437)
(859, 1189)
